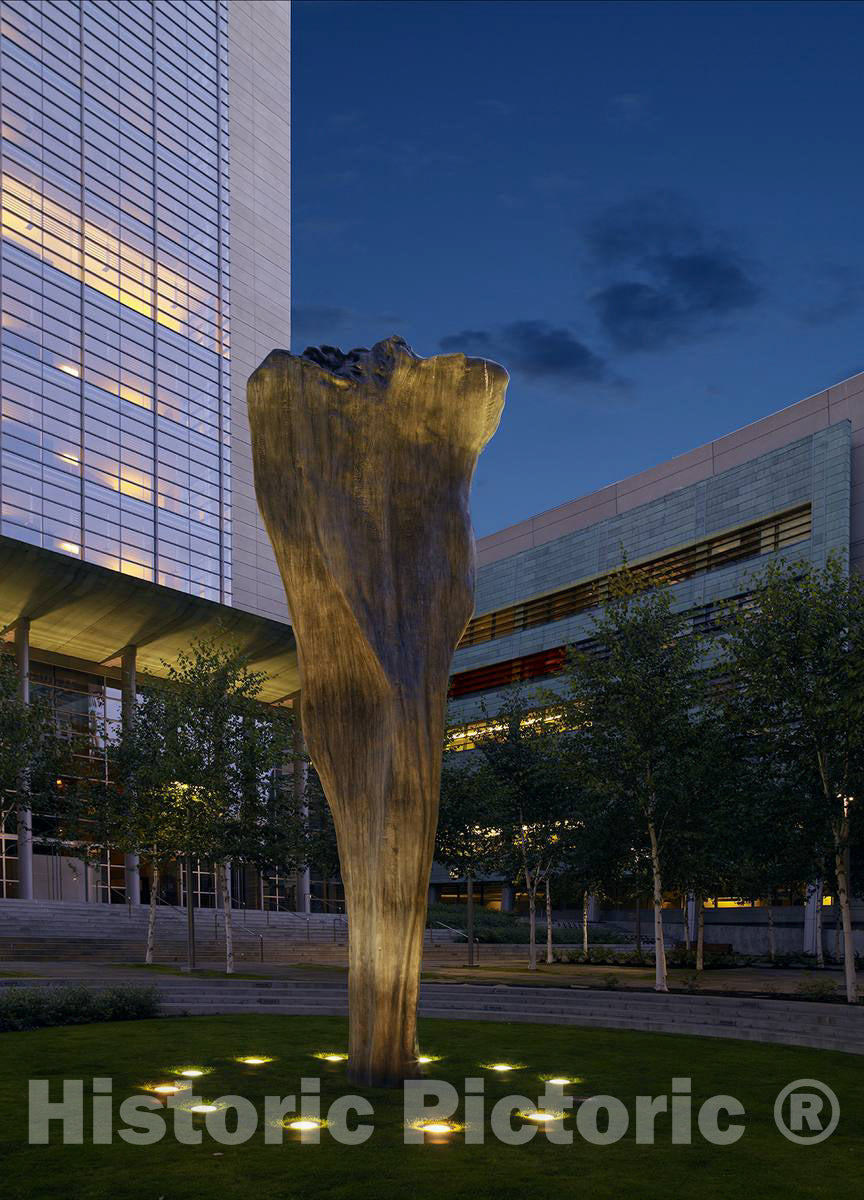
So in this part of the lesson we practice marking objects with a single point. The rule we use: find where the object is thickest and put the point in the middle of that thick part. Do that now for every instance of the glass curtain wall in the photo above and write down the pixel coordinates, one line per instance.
(115, 286)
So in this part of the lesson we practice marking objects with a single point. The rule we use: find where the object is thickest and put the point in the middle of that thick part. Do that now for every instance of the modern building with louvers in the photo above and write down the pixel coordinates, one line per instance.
(790, 485)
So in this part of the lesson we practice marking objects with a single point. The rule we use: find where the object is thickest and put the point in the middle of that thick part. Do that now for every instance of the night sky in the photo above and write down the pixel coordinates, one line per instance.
(650, 213)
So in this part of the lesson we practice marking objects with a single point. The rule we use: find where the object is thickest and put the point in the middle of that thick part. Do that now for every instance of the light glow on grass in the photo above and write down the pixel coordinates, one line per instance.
(254, 1060)
(164, 1089)
(302, 1124)
(501, 1067)
(204, 1108)
(541, 1115)
(331, 1056)
(192, 1072)
(428, 1058)
(561, 1080)
(440, 1128)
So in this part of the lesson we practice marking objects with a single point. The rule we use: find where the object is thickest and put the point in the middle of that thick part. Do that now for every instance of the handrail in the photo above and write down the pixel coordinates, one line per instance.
(452, 928)
(243, 925)
(181, 912)
(327, 903)
(470, 941)
(112, 887)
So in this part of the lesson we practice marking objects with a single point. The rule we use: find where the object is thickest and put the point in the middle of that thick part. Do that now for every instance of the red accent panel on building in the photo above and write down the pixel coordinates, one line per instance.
(499, 675)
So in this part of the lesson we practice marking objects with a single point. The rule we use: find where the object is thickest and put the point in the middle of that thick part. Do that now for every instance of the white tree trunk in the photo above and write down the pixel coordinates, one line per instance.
(686, 924)
(639, 926)
(700, 933)
(585, 899)
(151, 915)
(772, 939)
(548, 922)
(820, 953)
(229, 928)
(469, 888)
(841, 861)
(660, 984)
(532, 926)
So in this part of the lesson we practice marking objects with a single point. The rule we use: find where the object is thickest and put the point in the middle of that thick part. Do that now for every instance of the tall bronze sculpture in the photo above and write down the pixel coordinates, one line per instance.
(363, 466)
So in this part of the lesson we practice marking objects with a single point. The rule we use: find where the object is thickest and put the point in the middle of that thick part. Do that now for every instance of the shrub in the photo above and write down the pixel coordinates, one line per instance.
(493, 927)
(816, 989)
(36, 1007)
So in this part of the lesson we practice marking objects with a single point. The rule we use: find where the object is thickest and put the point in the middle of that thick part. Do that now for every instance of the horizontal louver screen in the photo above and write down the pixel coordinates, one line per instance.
(705, 619)
(749, 541)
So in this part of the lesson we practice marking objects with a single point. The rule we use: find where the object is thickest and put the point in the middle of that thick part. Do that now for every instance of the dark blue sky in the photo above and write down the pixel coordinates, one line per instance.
(650, 213)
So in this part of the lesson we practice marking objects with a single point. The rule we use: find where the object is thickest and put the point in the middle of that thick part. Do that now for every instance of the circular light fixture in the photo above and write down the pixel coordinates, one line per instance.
(203, 1108)
(540, 1115)
(560, 1080)
(252, 1060)
(426, 1058)
(331, 1057)
(304, 1123)
(437, 1127)
(165, 1089)
(502, 1067)
(192, 1073)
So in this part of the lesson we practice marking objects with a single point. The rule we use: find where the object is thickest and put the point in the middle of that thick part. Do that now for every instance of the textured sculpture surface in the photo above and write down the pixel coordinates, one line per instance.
(363, 465)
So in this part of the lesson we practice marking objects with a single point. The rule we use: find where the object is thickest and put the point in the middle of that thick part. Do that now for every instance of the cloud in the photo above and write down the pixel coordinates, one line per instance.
(661, 223)
(407, 159)
(307, 318)
(681, 279)
(322, 228)
(348, 119)
(834, 292)
(315, 324)
(495, 107)
(534, 349)
(557, 183)
(630, 110)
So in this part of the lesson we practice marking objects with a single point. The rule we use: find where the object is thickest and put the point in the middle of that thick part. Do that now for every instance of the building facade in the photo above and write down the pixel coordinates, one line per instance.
(145, 270)
(790, 485)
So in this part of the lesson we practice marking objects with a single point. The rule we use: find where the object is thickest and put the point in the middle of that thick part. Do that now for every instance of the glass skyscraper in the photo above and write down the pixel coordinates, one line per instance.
(145, 158)
(115, 279)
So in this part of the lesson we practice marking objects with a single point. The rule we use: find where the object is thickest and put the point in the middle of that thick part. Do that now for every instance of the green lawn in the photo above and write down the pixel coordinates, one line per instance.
(762, 1164)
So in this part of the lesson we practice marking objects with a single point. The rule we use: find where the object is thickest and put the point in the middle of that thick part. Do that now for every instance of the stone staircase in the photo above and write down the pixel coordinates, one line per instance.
(47, 931)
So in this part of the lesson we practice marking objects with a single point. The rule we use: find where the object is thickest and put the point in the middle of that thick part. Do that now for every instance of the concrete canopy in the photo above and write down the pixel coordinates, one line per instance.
(86, 612)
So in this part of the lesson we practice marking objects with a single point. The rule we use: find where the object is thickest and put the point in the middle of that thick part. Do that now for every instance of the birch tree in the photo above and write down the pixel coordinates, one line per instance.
(524, 752)
(198, 768)
(795, 656)
(632, 700)
(468, 839)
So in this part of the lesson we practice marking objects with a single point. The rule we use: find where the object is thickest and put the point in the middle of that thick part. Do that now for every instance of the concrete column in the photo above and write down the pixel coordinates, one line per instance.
(508, 897)
(811, 908)
(25, 816)
(128, 687)
(692, 921)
